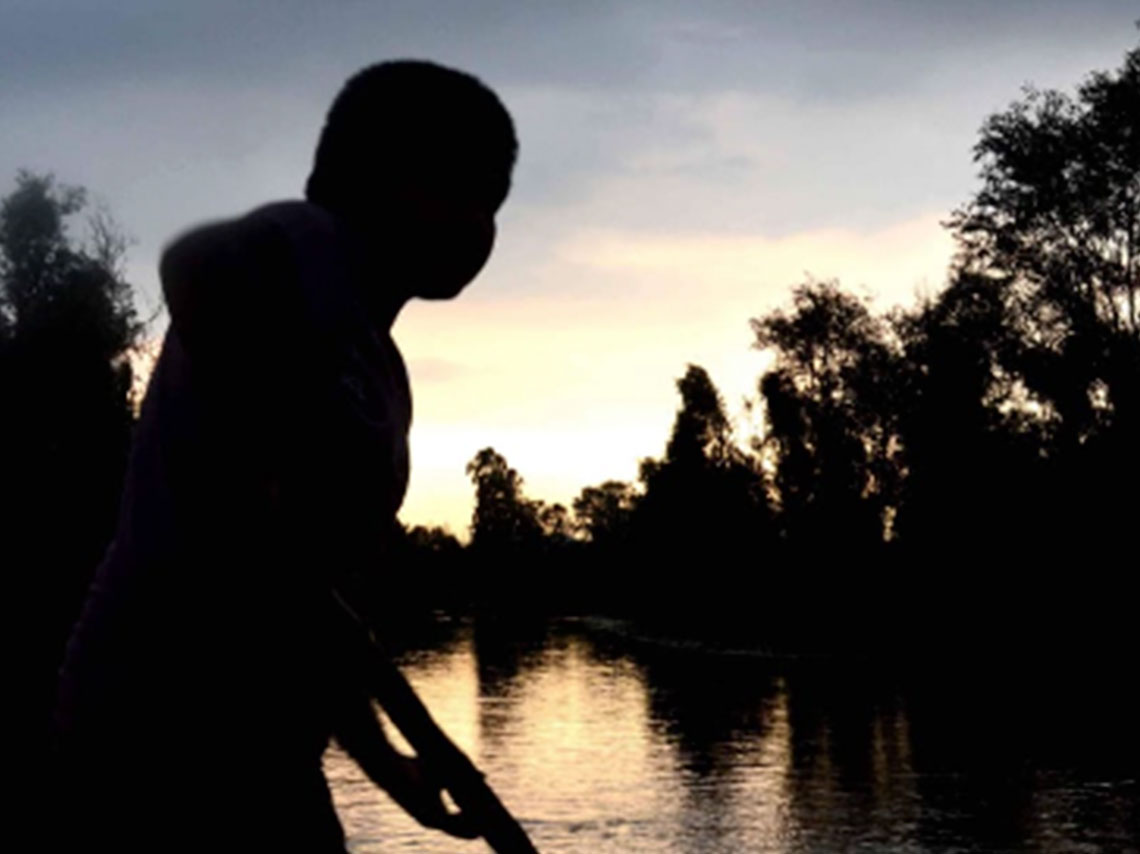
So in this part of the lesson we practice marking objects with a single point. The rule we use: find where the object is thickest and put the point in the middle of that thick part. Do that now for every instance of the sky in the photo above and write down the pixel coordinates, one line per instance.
(682, 166)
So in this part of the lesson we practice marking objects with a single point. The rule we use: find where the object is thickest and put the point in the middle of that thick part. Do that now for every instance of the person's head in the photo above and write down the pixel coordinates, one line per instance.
(422, 156)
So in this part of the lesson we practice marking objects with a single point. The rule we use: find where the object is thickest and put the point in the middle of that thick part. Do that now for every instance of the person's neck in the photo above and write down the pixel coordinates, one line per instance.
(377, 280)
(383, 308)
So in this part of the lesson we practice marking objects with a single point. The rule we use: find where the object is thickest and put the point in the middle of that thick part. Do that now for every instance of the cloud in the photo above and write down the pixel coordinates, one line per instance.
(826, 49)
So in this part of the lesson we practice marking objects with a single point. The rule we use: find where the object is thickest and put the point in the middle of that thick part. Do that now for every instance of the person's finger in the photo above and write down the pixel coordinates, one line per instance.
(458, 824)
(439, 817)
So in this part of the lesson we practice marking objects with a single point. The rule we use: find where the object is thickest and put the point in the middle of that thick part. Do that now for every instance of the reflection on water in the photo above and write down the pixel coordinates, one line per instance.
(600, 741)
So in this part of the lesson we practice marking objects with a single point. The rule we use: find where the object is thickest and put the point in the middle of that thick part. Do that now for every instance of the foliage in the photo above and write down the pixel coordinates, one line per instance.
(1055, 229)
(706, 495)
(831, 434)
(67, 332)
(602, 514)
(65, 372)
(52, 288)
(504, 519)
(992, 425)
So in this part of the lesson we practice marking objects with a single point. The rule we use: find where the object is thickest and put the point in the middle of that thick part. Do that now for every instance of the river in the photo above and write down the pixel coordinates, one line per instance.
(602, 740)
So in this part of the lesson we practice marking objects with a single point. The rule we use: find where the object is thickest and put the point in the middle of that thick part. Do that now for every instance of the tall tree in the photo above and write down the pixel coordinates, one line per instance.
(1055, 228)
(67, 332)
(971, 454)
(705, 498)
(504, 520)
(831, 433)
(1051, 244)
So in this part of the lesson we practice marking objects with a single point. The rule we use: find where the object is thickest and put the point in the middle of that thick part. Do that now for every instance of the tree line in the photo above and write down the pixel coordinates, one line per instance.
(975, 454)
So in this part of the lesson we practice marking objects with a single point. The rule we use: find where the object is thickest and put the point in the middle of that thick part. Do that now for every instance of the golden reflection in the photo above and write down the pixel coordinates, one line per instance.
(569, 744)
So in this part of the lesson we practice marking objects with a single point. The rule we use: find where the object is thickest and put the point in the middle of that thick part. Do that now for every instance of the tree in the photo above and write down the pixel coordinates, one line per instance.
(603, 513)
(69, 329)
(1055, 229)
(556, 523)
(1053, 238)
(504, 520)
(971, 454)
(67, 332)
(52, 287)
(831, 433)
(433, 540)
(424, 571)
(705, 500)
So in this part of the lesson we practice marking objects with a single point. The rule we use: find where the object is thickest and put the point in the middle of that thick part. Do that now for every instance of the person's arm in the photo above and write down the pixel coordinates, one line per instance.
(358, 731)
(260, 304)
(379, 677)
(232, 289)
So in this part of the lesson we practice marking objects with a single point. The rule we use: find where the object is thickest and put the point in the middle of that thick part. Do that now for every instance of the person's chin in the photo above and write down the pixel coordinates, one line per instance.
(441, 290)
(448, 282)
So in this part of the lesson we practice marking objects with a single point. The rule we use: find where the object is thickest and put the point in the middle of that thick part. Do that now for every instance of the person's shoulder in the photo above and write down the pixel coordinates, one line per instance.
(295, 219)
(280, 219)
(220, 277)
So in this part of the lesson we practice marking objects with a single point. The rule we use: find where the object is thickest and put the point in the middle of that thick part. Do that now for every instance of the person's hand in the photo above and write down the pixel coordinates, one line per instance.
(413, 788)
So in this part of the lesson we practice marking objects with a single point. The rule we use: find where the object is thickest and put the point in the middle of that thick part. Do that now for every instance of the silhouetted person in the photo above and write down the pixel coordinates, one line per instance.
(202, 683)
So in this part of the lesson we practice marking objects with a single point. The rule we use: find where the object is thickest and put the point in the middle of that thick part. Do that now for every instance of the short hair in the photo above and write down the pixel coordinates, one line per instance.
(441, 125)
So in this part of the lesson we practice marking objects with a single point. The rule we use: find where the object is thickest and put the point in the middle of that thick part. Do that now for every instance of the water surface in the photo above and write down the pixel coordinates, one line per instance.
(602, 740)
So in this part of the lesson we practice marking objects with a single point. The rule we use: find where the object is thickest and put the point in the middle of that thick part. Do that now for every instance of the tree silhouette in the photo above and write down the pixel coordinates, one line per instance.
(433, 540)
(831, 434)
(603, 513)
(1055, 228)
(1033, 351)
(67, 331)
(971, 453)
(556, 523)
(704, 510)
(423, 571)
(504, 520)
(705, 488)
